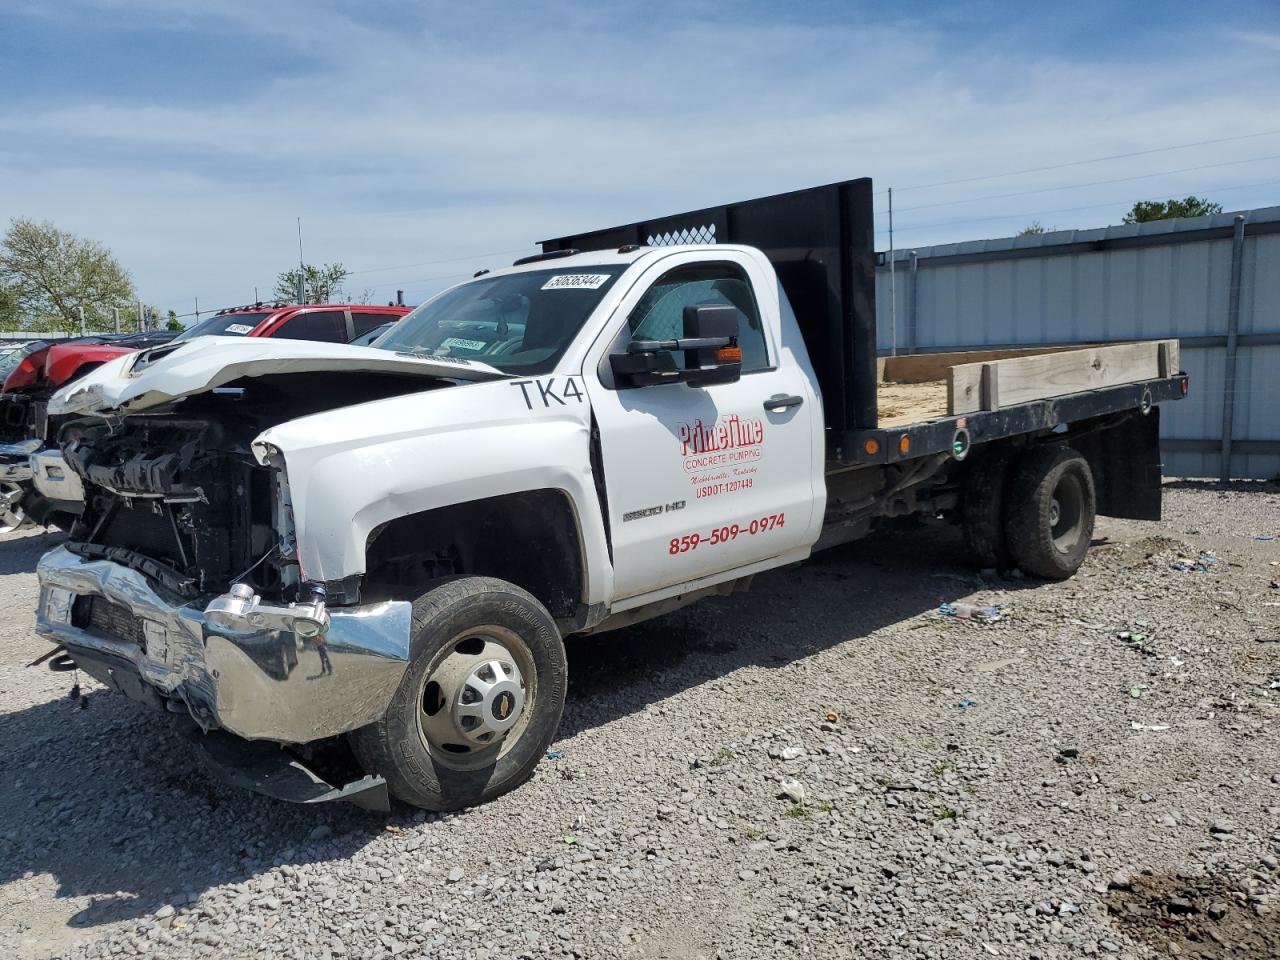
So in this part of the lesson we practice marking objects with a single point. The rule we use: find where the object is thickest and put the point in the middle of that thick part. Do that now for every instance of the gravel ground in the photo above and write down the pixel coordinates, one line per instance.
(1096, 795)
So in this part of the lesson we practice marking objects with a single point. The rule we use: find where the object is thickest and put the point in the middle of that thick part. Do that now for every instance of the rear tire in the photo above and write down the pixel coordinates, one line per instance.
(983, 508)
(480, 701)
(1050, 510)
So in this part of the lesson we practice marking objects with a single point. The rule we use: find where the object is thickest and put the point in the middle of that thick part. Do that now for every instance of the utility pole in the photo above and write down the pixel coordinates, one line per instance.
(399, 298)
(893, 287)
(197, 309)
(142, 320)
(302, 272)
(80, 310)
(115, 318)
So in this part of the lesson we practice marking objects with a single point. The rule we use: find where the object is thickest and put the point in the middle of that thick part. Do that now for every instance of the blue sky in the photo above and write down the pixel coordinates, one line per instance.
(421, 141)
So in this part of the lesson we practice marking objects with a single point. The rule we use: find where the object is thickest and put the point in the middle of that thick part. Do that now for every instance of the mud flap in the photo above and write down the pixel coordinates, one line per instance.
(268, 769)
(1127, 471)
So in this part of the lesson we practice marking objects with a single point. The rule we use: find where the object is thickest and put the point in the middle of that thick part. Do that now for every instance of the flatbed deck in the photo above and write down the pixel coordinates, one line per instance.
(901, 404)
(922, 387)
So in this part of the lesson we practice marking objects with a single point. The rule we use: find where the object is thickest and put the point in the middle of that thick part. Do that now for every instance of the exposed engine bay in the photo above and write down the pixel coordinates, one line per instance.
(176, 493)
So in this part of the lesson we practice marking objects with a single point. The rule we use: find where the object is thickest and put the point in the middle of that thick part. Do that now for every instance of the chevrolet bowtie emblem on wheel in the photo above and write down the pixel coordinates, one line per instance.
(502, 706)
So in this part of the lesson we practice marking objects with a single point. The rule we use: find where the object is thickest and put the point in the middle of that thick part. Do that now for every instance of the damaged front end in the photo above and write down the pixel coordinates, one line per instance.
(180, 587)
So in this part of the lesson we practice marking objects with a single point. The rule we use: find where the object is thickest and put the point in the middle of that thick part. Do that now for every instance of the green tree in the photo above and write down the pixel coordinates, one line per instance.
(323, 283)
(1146, 210)
(51, 274)
(10, 315)
(172, 321)
(1034, 228)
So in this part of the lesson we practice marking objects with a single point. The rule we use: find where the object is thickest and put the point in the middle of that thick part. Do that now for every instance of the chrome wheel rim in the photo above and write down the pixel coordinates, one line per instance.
(476, 698)
(12, 516)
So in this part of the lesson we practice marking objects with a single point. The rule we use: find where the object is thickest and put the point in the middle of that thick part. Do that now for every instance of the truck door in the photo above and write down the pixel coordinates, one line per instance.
(706, 479)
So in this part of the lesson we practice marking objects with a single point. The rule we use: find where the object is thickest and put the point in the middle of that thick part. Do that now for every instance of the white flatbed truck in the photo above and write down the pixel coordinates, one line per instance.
(296, 547)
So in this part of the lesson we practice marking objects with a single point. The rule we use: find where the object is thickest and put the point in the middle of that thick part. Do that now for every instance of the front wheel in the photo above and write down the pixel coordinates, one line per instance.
(1049, 513)
(480, 701)
(12, 516)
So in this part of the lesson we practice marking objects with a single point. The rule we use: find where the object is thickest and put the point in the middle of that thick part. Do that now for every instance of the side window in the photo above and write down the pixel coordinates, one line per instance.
(364, 322)
(329, 326)
(660, 313)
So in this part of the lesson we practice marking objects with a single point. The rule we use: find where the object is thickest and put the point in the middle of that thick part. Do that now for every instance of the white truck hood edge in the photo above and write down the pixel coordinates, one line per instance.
(165, 374)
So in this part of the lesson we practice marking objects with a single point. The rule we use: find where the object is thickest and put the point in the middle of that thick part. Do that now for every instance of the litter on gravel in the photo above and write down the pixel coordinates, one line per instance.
(967, 611)
(1200, 564)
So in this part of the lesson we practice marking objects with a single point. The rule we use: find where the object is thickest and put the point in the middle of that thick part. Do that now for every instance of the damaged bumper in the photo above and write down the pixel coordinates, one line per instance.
(270, 770)
(260, 684)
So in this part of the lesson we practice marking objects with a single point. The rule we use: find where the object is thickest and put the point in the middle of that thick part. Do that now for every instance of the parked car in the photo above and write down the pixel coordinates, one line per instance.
(297, 545)
(35, 485)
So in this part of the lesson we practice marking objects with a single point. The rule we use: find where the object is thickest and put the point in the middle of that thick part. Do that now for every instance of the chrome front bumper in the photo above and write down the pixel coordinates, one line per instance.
(260, 684)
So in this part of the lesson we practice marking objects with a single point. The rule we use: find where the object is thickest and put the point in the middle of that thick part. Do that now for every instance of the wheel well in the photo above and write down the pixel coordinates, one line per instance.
(529, 539)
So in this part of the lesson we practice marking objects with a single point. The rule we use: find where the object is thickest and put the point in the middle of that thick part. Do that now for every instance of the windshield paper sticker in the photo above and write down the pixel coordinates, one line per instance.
(463, 344)
(576, 281)
(240, 328)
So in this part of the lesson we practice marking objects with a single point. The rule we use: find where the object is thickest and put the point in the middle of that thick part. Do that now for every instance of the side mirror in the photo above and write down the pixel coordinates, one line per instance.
(710, 348)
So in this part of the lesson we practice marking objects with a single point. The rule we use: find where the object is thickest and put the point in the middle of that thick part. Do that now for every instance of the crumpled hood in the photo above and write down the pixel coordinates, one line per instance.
(161, 375)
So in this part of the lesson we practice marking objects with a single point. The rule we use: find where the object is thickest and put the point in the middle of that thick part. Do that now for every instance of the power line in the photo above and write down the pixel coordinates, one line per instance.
(1079, 163)
(1076, 186)
(1040, 213)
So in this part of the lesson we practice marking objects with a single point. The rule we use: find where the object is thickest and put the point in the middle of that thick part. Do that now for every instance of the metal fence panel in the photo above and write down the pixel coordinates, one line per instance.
(1135, 282)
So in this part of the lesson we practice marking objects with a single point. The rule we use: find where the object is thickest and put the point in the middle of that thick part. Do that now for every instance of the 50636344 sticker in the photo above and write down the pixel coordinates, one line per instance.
(727, 533)
(576, 281)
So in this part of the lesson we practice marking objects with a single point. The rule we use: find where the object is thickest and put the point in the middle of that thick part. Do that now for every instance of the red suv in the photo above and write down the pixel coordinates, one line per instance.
(332, 323)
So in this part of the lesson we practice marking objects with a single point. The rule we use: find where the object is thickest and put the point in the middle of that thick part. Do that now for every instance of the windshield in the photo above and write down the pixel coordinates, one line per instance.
(520, 323)
(13, 354)
(224, 325)
(10, 358)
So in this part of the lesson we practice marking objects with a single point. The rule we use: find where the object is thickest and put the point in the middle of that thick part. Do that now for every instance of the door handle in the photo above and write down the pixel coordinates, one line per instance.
(782, 401)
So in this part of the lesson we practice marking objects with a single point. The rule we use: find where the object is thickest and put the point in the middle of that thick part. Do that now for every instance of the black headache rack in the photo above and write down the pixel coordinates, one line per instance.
(820, 242)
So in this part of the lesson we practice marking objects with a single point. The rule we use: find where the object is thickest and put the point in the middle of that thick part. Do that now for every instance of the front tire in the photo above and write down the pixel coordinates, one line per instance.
(1050, 508)
(480, 701)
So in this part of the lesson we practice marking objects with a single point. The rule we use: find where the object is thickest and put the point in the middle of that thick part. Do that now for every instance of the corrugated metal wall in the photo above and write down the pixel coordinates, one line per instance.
(1170, 278)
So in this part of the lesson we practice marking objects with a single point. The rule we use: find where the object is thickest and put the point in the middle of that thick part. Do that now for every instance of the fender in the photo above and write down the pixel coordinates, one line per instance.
(353, 469)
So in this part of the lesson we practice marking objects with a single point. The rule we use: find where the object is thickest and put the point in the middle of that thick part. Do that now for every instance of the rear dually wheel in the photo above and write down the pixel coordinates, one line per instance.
(1050, 508)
